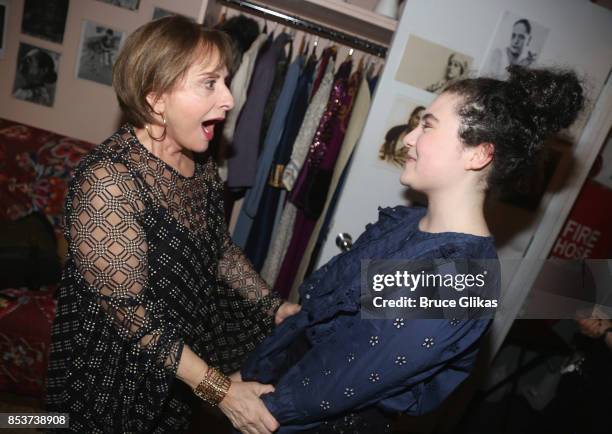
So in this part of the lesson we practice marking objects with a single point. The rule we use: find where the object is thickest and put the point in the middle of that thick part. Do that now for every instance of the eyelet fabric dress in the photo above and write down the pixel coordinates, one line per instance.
(150, 268)
(332, 368)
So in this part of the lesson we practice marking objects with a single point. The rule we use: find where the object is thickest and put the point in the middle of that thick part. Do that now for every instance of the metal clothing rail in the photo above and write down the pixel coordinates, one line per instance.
(308, 26)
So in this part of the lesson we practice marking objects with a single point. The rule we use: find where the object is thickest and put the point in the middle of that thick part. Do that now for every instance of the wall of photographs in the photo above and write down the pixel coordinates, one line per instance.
(56, 59)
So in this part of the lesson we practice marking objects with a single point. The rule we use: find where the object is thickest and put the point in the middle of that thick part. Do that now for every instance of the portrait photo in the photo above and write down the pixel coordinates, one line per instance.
(125, 4)
(98, 50)
(431, 66)
(404, 116)
(3, 23)
(518, 40)
(36, 75)
(45, 19)
(160, 13)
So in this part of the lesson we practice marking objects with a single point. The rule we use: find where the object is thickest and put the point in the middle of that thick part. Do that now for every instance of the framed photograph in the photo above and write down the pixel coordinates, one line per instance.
(3, 24)
(160, 13)
(36, 75)
(404, 116)
(98, 49)
(518, 40)
(45, 19)
(125, 4)
(431, 66)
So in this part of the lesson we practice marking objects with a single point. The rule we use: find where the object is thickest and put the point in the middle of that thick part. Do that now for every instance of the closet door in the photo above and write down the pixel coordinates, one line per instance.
(571, 34)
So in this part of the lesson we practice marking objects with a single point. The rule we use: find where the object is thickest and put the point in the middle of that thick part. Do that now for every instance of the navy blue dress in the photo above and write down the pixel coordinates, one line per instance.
(327, 361)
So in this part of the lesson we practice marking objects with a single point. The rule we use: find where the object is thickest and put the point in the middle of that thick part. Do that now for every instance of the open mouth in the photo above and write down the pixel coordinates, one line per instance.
(208, 127)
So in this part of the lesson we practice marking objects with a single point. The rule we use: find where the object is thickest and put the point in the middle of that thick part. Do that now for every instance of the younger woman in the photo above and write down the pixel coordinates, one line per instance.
(335, 371)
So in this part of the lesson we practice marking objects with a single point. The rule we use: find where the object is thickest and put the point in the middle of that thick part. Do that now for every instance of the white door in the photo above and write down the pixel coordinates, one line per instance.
(573, 33)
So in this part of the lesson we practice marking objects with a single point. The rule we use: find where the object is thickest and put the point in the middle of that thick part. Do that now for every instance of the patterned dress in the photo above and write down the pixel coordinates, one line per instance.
(337, 371)
(150, 268)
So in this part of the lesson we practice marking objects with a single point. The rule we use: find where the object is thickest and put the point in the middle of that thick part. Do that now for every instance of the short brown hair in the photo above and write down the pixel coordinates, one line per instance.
(156, 56)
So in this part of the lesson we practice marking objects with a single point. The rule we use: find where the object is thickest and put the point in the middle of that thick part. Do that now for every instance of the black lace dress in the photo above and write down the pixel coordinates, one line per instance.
(150, 268)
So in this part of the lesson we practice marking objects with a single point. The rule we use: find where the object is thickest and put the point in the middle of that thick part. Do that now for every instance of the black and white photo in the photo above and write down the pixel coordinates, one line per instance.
(45, 19)
(160, 13)
(518, 40)
(404, 116)
(125, 4)
(36, 76)
(3, 23)
(430, 66)
(455, 68)
(98, 49)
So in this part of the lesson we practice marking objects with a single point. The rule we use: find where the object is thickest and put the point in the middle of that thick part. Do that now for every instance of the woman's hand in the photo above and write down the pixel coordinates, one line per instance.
(246, 411)
(596, 328)
(236, 377)
(285, 311)
(591, 327)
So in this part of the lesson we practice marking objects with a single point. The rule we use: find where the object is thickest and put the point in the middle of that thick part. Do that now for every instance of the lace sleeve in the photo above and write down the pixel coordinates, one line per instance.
(236, 271)
(109, 248)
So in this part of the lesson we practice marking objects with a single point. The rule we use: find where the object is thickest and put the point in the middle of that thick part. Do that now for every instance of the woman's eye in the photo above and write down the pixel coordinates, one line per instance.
(210, 84)
(425, 126)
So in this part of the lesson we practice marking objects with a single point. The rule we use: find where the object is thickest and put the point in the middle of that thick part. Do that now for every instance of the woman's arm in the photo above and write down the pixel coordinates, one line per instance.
(238, 274)
(597, 328)
(109, 248)
(241, 404)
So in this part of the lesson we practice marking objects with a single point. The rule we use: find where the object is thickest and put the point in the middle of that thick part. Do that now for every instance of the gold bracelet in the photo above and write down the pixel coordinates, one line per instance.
(213, 387)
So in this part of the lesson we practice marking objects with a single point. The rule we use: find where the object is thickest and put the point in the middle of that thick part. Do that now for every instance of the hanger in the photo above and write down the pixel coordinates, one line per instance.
(292, 33)
(380, 67)
(367, 59)
(369, 68)
(333, 49)
(360, 65)
(302, 44)
(349, 56)
(313, 52)
(223, 16)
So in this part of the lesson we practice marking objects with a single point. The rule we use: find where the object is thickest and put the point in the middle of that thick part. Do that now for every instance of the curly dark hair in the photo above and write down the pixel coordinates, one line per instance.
(516, 115)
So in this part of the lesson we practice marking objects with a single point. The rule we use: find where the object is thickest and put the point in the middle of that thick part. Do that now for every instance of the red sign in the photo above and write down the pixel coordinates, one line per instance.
(587, 233)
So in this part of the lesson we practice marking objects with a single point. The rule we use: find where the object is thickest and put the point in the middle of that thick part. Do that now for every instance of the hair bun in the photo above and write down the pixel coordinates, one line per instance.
(551, 98)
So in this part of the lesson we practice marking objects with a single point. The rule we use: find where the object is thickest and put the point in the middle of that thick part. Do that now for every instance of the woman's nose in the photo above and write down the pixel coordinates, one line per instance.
(410, 138)
(227, 101)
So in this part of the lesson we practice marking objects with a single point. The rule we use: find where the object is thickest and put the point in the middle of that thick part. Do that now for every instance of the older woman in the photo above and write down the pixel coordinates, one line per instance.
(153, 288)
(456, 67)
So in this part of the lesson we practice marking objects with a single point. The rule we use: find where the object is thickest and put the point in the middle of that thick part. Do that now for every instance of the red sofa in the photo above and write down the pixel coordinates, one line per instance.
(35, 169)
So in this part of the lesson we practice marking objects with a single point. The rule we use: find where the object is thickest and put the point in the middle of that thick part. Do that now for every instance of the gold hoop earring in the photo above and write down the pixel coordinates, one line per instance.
(163, 135)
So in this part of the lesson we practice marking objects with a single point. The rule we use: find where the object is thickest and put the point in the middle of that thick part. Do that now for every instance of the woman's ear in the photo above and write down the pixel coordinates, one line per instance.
(156, 102)
(481, 156)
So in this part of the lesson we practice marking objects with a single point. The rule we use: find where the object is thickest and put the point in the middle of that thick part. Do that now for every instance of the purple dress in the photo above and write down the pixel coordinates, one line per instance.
(312, 185)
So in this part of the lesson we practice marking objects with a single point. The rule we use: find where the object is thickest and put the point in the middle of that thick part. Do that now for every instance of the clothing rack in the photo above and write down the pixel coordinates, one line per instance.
(308, 26)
